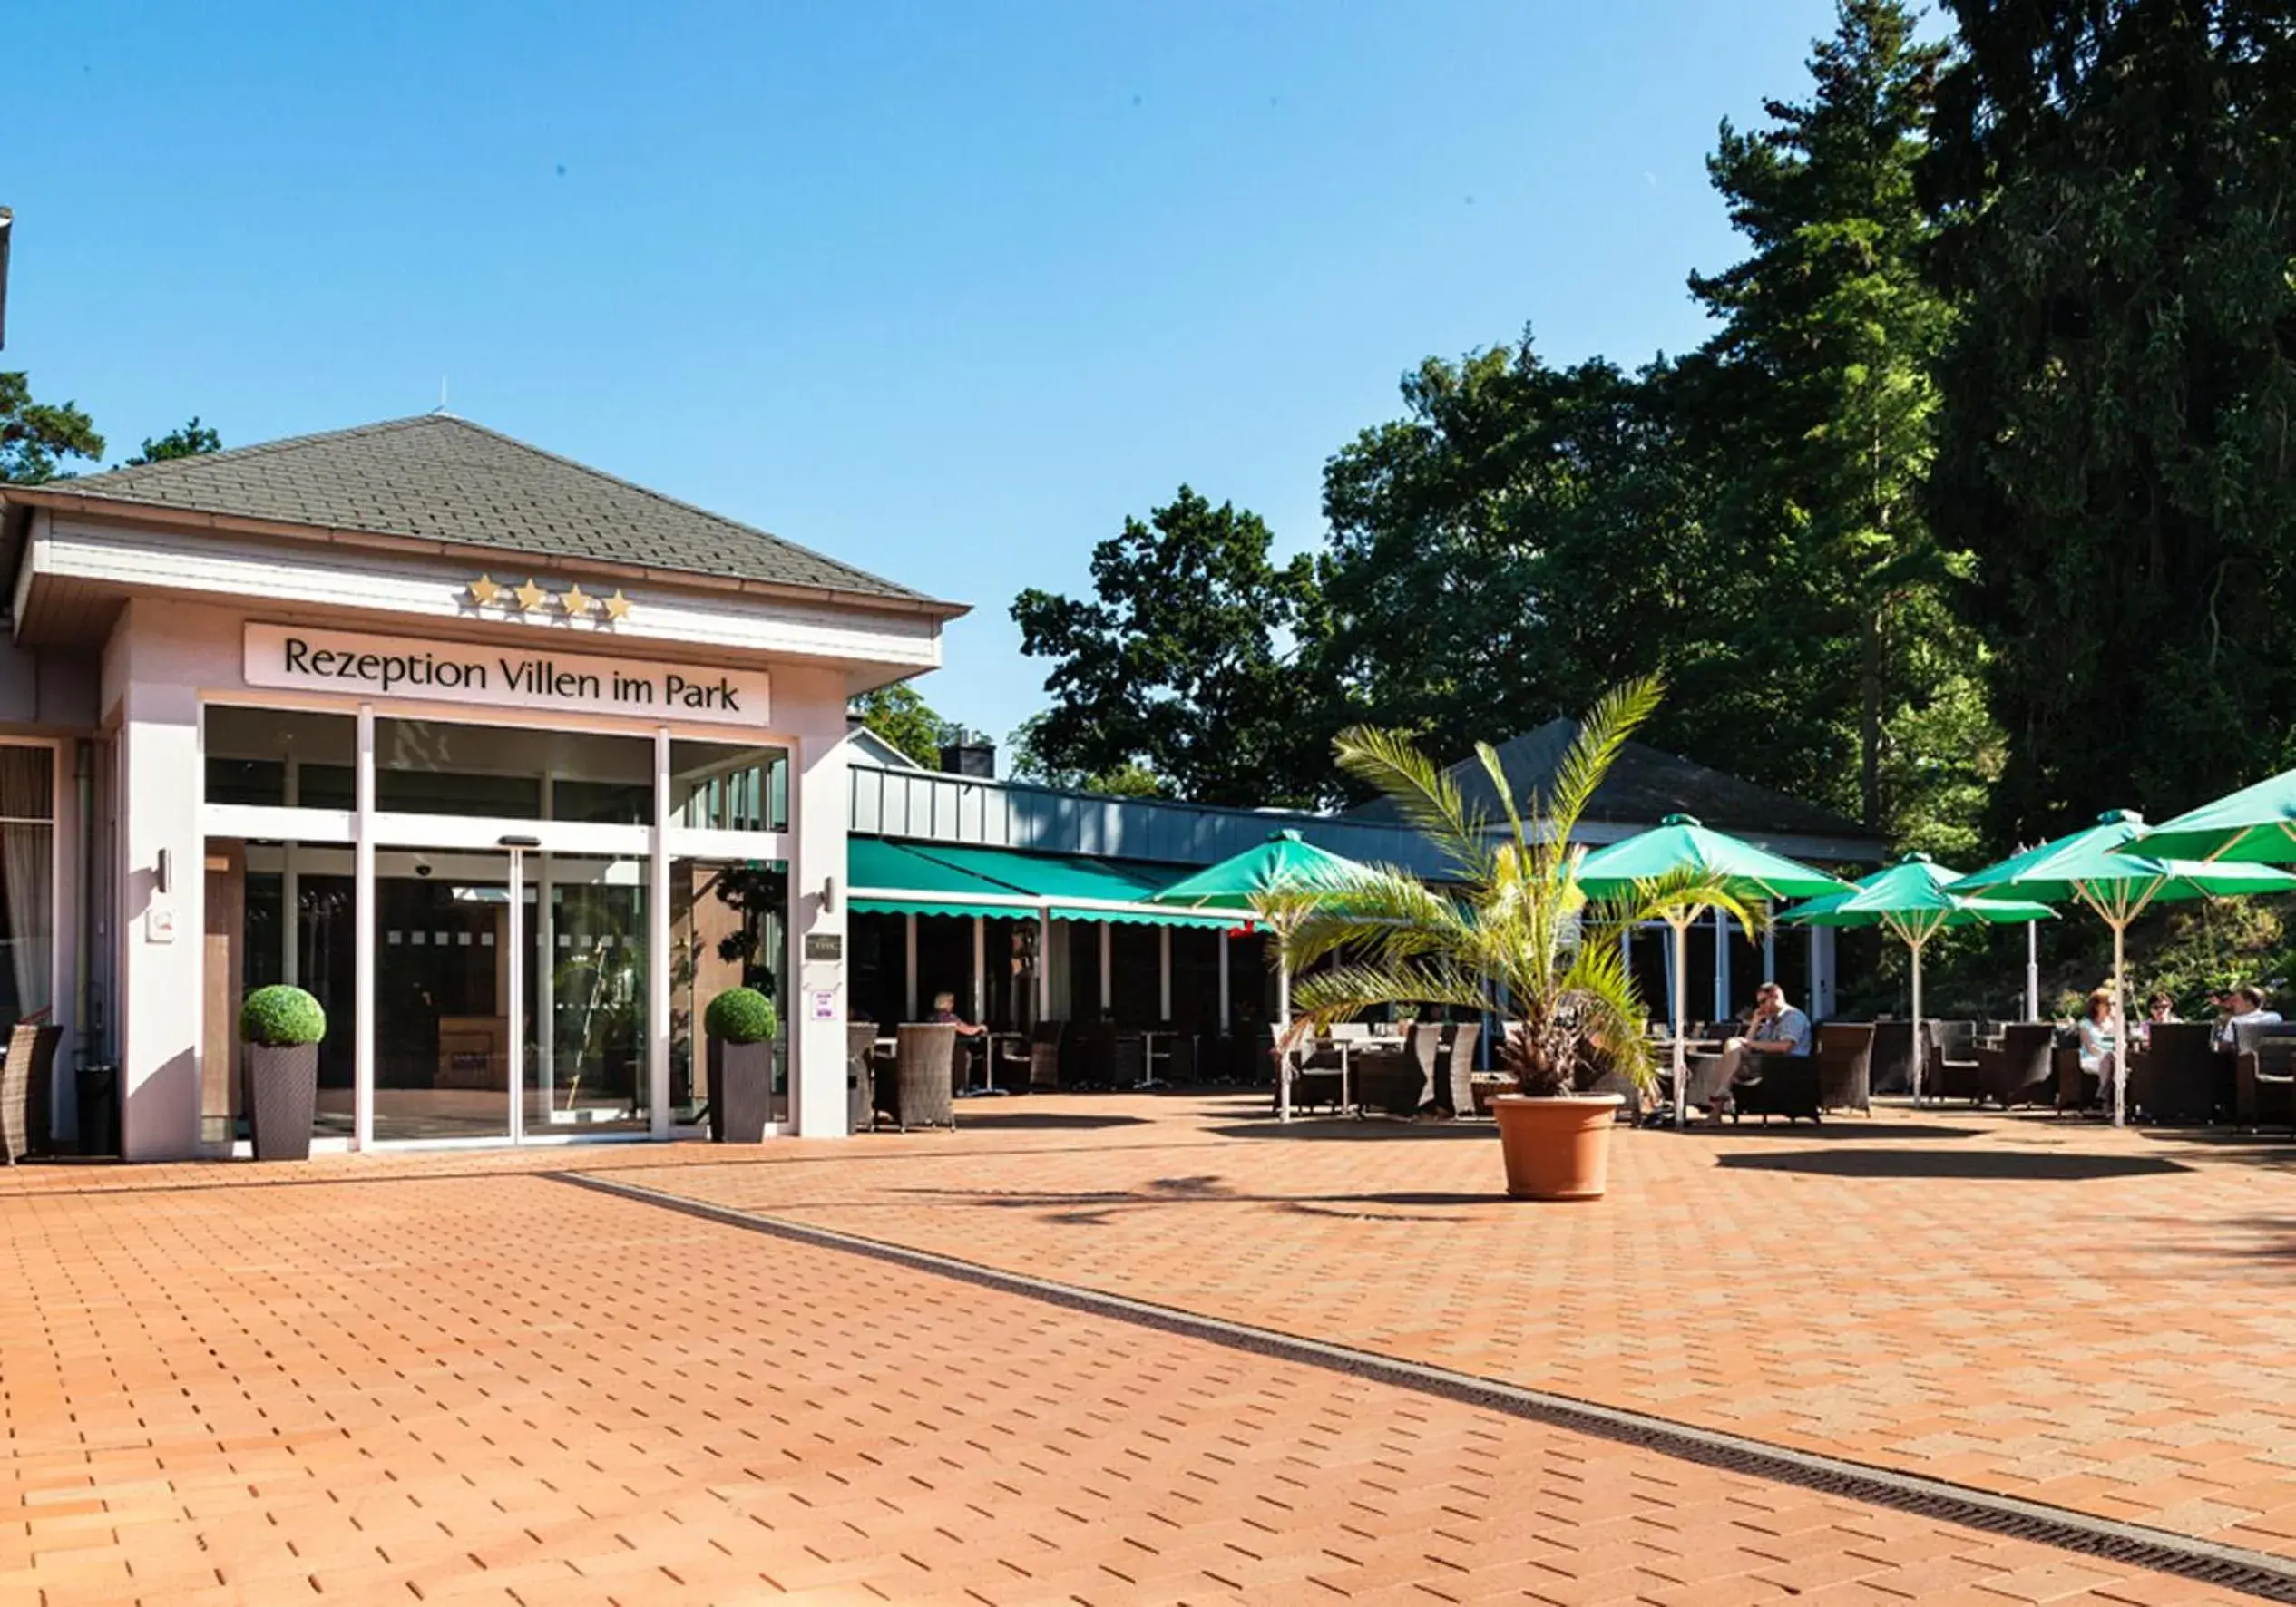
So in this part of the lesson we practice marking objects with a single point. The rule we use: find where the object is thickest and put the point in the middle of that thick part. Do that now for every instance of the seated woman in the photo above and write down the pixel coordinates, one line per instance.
(2096, 1045)
(2158, 1009)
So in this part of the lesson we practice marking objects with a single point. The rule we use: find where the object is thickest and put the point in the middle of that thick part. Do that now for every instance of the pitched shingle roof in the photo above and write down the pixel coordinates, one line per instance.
(444, 479)
(1645, 785)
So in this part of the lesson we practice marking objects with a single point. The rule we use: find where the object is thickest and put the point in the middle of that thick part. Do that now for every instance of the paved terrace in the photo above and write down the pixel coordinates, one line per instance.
(461, 1375)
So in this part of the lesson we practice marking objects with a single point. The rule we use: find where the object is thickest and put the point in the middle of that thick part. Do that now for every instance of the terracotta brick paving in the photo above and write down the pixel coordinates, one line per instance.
(2105, 1321)
(441, 1377)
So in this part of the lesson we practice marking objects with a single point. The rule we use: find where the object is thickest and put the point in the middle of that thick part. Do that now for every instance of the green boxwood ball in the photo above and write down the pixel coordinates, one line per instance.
(280, 1016)
(741, 1015)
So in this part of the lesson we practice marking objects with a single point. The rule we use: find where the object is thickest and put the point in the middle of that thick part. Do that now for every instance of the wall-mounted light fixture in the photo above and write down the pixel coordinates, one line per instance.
(828, 895)
(163, 875)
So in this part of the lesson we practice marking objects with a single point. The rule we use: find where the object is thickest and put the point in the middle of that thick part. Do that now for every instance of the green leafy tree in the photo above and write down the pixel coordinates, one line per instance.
(2113, 179)
(901, 717)
(187, 440)
(1523, 538)
(1818, 399)
(1177, 666)
(34, 435)
(1130, 780)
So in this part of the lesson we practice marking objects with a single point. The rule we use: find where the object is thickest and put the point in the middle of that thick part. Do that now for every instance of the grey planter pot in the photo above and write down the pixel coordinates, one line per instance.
(282, 1088)
(740, 1091)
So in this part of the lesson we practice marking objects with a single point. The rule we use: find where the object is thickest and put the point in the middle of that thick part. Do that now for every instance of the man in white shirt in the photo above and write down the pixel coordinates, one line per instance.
(2247, 1010)
(1776, 1028)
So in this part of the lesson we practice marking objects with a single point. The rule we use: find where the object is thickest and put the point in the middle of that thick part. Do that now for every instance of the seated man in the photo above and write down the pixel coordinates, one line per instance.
(2247, 1010)
(1776, 1028)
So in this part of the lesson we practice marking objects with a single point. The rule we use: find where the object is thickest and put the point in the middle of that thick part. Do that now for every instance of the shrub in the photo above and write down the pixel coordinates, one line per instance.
(741, 1015)
(281, 1017)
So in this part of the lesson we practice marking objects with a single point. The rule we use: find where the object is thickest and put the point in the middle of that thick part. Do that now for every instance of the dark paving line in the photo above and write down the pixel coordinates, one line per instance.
(2233, 1568)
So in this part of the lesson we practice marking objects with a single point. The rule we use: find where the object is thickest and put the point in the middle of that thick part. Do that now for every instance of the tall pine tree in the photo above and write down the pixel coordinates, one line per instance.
(2115, 182)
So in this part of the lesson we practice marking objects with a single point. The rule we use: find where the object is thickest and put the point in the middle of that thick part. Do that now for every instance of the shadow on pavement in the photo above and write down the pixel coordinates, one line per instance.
(1982, 1165)
(975, 1116)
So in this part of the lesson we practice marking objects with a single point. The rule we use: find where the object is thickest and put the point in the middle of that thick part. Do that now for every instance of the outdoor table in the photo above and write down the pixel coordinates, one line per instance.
(1148, 1053)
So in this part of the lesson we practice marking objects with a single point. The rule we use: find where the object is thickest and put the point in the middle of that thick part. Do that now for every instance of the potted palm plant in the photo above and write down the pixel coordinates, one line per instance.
(1511, 933)
(740, 1024)
(281, 1027)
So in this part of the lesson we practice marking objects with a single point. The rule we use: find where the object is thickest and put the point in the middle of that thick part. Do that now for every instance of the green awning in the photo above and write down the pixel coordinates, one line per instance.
(942, 878)
(890, 879)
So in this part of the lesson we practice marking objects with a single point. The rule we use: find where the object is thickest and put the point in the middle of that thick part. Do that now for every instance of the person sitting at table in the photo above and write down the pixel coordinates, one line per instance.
(2094, 1036)
(1776, 1028)
(944, 1014)
(2247, 1010)
(2158, 1009)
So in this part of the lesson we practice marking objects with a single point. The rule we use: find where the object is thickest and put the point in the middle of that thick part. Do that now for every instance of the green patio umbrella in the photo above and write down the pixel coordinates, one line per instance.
(2110, 867)
(1679, 842)
(2256, 825)
(1910, 900)
(1277, 882)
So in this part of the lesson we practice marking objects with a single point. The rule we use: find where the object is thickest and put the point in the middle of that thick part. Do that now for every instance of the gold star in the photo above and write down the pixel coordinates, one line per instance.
(617, 605)
(484, 590)
(574, 601)
(530, 596)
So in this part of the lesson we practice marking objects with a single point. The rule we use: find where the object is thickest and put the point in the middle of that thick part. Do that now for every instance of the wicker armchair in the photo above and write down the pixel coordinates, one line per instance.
(2265, 1085)
(1834, 1075)
(2176, 1078)
(2020, 1070)
(1844, 1054)
(1890, 1067)
(25, 1085)
(861, 1076)
(915, 1091)
(1949, 1062)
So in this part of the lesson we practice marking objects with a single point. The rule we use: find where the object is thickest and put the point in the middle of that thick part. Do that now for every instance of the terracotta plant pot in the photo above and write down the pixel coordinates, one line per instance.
(1557, 1149)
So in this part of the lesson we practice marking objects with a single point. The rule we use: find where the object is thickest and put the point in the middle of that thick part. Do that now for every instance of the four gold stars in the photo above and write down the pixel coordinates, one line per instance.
(574, 603)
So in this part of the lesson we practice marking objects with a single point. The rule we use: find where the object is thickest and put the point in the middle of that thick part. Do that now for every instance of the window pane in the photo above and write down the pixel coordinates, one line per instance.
(442, 767)
(729, 927)
(728, 786)
(252, 942)
(280, 756)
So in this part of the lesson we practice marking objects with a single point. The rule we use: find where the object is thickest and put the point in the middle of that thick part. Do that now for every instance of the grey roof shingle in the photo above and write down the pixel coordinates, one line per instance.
(444, 479)
(1645, 785)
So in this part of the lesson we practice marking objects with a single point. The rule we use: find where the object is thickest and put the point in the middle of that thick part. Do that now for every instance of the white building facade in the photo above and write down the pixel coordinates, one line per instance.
(512, 764)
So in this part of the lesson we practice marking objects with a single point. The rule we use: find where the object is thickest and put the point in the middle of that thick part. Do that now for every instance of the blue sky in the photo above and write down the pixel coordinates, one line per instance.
(945, 288)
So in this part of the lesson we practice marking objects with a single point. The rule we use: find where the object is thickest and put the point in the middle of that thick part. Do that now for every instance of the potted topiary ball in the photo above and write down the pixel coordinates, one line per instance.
(740, 1024)
(281, 1027)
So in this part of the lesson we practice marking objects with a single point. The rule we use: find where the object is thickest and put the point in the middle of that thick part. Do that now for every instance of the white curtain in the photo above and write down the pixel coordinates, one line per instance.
(27, 864)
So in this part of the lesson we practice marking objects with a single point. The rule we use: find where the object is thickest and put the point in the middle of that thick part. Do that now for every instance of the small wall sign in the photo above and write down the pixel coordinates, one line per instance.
(825, 946)
(825, 1004)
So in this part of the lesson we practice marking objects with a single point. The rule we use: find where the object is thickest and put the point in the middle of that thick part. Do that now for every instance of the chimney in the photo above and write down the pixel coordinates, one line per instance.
(970, 754)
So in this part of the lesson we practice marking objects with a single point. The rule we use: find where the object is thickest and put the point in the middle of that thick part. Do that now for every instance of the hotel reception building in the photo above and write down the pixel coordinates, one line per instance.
(511, 763)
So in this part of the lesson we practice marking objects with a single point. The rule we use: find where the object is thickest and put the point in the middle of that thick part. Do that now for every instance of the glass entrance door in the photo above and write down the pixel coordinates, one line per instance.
(445, 928)
(585, 1070)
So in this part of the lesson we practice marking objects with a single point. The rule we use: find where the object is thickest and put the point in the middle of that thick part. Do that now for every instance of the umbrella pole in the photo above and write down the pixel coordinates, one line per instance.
(1682, 977)
(2032, 970)
(1283, 1032)
(2120, 1028)
(1917, 1023)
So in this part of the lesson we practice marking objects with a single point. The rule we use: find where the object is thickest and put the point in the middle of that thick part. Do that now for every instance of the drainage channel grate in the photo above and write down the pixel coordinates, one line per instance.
(2227, 1567)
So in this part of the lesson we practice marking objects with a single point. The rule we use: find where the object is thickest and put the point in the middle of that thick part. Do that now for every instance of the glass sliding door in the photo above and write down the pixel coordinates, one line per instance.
(587, 1034)
(444, 928)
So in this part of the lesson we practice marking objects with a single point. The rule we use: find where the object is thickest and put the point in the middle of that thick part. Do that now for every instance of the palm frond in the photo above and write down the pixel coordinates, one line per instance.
(1422, 790)
(1616, 716)
(1340, 991)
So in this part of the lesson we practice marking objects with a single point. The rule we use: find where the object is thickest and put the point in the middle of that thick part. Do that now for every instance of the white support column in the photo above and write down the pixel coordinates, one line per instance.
(542, 940)
(1224, 942)
(162, 983)
(1819, 1004)
(1043, 967)
(515, 939)
(1108, 968)
(365, 928)
(980, 970)
(820, 805)
(1164, 973)
(1721, 966)
(1769, 948)
(658, 959)
(909, 965)
(291, 888)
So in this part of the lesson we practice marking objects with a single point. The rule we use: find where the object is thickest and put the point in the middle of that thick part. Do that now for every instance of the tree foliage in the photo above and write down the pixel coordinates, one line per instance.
(1176, 666)
(2114, 180)
(186, 440)
(34, 436)
(899, 714)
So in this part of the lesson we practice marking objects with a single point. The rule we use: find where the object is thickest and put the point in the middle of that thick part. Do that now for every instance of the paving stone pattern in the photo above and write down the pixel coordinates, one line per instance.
(447, 1378)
